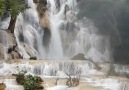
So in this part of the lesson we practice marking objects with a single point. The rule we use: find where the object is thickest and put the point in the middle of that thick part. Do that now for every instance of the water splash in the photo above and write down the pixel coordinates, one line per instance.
(69, 35)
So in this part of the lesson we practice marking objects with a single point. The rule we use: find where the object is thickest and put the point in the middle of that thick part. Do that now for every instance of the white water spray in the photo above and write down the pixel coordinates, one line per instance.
(69, 35)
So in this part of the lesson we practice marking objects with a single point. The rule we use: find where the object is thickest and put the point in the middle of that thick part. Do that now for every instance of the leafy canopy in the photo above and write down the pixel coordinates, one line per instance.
(13, 6)
(2, 6)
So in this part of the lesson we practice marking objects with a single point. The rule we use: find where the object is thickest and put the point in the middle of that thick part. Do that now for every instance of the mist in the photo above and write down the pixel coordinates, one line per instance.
(111, 17)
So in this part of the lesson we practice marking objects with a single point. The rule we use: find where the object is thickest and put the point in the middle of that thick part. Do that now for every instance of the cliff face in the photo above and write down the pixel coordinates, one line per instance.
(8, 46)
(52, 29)
(24, 43)
(44, 20)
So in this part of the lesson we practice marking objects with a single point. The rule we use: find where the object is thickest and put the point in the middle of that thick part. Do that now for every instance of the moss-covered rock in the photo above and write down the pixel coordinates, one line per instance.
(79, 56)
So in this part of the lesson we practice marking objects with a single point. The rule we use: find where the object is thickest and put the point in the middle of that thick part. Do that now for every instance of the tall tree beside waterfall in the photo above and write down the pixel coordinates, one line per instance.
(14, 7)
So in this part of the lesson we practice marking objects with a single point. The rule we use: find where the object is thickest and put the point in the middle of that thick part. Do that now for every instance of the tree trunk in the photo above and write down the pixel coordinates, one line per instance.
(12, 24)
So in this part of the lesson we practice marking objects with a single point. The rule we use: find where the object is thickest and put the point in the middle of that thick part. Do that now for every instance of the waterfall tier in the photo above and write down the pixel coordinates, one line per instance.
(90, 73)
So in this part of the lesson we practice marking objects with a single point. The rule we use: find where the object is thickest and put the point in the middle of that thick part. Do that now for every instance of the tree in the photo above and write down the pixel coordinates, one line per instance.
(14, 7)
(2, 6)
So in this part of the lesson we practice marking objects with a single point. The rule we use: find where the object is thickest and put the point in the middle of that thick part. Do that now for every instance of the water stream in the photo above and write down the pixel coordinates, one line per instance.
(69, 35)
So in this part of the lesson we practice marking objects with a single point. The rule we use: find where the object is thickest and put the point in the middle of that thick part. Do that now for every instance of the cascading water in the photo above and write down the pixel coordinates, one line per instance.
(80, 36)
(27, 32)
(60, 69)
(51, 68)
(69, 35)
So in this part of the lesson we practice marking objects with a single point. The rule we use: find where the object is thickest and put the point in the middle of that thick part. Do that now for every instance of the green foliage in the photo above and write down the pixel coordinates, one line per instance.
(13, 6)
(17, 6)
(20, 78)
(29, 82)
(32, 83)
(2, 6)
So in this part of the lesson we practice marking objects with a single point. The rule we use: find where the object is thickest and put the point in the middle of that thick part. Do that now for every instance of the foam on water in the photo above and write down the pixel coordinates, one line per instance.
(60, 68)
(109, 84)
(58, 88)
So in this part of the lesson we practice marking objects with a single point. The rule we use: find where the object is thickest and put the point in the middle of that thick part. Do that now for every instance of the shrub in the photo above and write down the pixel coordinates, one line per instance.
(33, 83)
(29, 82)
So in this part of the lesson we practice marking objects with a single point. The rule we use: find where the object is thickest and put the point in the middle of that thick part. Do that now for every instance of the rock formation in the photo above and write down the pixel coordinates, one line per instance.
(1, 52)
(79, 56)
(2, 86)
(44, 20)
(8, 46)
(30, 52)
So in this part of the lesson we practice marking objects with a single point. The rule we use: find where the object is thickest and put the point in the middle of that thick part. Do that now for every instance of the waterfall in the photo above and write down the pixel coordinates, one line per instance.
(78, 36)
(27, 32)
(59, 69)
(69, 35)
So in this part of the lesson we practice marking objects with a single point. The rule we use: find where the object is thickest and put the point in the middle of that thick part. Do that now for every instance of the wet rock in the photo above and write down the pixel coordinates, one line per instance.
(44, 20)
(7, 39)
(79, 56)
(46, 37)
(2, 86)
(45, 24)
(11, 40)
(41, 7)
(30, 51)
(36, 1)
(1, 52)
(9, 57)
(15, 55)
(7, 44)
(33, 58)
(3, 37)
